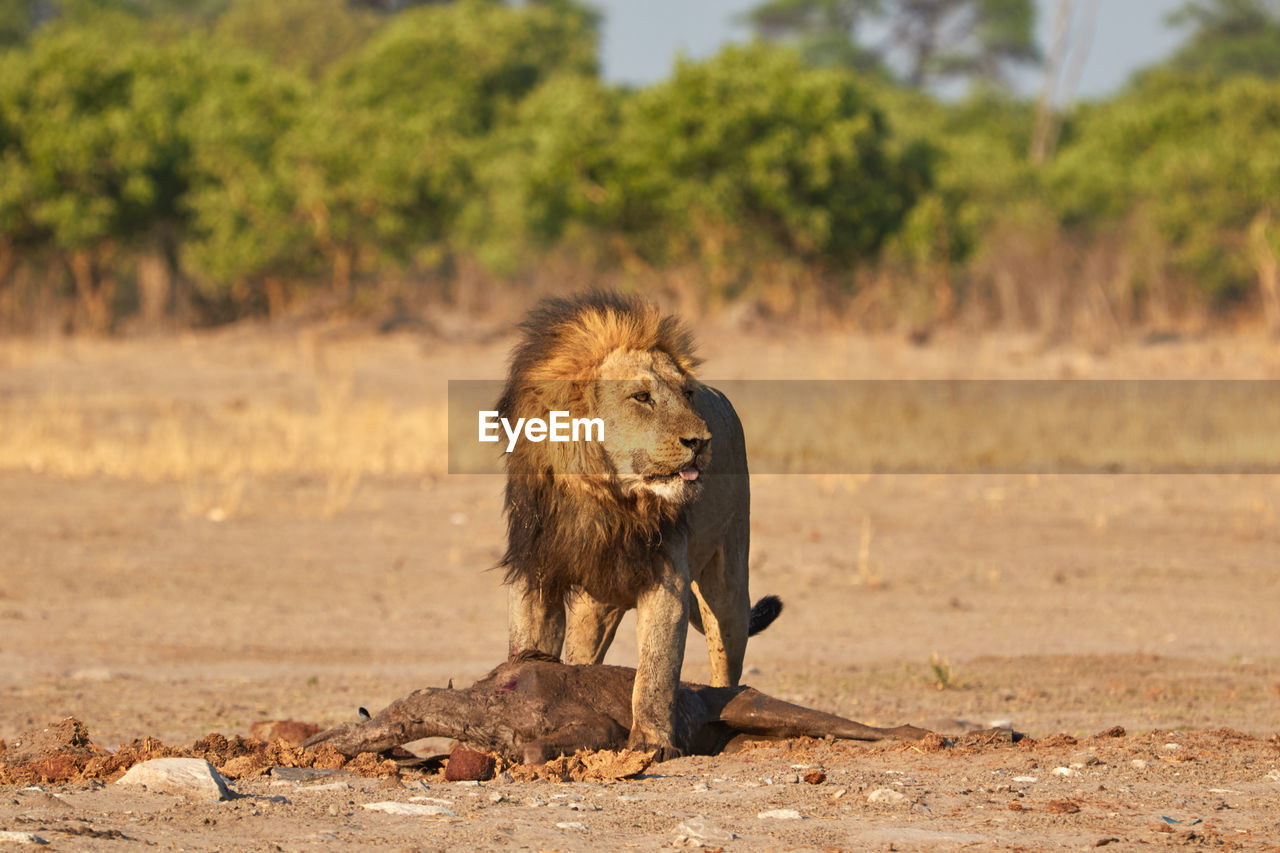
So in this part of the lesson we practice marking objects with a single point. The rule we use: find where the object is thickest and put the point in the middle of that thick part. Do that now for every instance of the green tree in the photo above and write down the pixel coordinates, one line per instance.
(246, 240)
(305, 36)
(753, 153)
(1194, 155)
(464, 65)
(100, 164)
(931, 41)
(1229, 37)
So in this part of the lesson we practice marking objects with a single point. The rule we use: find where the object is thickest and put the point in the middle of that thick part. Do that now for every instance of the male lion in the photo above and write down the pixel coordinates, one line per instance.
(654, 516)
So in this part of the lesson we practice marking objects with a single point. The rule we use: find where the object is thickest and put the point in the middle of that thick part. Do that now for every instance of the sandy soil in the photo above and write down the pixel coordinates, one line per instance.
(176, 606)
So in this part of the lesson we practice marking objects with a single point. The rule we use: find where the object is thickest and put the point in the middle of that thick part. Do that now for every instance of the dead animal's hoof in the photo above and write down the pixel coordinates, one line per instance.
(467, 765)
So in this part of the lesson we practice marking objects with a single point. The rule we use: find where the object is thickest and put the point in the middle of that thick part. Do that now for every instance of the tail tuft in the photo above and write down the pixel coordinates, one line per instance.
(763, 614)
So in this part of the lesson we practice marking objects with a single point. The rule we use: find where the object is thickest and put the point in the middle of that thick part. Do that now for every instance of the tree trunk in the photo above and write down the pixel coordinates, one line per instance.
(343, 261)
(155, 287)
(93, 293)
(1046, 115)
(1268, 267)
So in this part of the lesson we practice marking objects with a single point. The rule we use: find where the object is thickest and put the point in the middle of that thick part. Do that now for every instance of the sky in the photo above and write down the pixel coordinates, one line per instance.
(643, 37)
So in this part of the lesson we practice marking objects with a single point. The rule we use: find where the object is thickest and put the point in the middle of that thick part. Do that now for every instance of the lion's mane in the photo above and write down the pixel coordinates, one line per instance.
(569, 523)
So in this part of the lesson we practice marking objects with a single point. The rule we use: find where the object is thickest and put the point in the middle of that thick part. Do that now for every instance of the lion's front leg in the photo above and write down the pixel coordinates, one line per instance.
(662, 623)
(534, 621)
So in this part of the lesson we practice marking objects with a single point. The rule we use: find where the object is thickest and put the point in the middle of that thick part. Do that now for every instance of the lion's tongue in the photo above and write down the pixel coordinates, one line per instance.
(690, 474)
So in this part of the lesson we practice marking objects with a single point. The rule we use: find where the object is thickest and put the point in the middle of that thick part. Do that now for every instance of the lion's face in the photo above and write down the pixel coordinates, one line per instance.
(653, 437)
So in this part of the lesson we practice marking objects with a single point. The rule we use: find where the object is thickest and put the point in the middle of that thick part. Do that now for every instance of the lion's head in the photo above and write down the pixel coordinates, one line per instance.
(576, 510)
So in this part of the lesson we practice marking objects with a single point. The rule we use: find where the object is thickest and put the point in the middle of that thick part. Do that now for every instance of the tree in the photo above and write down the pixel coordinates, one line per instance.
(1189, 153)
(100, 163)
(930, 41)
(753, 152)
(827, 32)
(1229, 37)
(306, 36)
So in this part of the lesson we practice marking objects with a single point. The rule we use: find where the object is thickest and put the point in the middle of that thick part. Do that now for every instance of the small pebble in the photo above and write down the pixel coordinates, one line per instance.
(570, 824)
(1139, 764)
(1025, 779)
(1063, 771)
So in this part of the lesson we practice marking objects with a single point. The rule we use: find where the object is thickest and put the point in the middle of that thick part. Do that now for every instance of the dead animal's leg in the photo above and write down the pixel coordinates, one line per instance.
(748, 710)
(433, 712)
(590, 630)
(598, 734)
(534, 621)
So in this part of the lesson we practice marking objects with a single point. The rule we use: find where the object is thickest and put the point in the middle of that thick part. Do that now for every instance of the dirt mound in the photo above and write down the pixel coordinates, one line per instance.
(64, 752)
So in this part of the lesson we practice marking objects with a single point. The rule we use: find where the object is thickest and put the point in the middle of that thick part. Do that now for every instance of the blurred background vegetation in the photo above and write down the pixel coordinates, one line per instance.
(174, 163)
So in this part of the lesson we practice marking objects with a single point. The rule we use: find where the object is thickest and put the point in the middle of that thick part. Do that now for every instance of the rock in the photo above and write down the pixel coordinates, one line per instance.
(697, 827)
(410, 809)
(1025, 779)
(779, 814)
(886, 796)
(1063, 771)
(497, 797)
(1274, 775)
(701, 786)
(21, 838)
(815, 777)
(190, 777)
(292, 732)
(467, 765)
(1138, 764)
(570, 824)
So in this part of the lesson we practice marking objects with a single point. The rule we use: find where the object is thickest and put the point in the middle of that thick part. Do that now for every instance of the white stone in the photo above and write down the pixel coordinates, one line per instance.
(887, 796)
(1025, 779)
(1139, 764)
(190, 777)
(1274, 775)
(697, 827)
(410, 809)
(21, 838)
(1063, 771)
(570, 824)
(779, 814)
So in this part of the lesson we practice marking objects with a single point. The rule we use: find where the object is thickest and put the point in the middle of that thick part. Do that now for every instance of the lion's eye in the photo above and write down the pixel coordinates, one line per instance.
(642, 397)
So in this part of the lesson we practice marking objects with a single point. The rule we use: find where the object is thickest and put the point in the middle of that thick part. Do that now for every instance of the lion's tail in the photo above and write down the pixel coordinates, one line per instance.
(763, 614)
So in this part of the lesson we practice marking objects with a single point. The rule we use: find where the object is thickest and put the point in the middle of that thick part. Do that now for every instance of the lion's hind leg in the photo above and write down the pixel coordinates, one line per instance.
(724, 608)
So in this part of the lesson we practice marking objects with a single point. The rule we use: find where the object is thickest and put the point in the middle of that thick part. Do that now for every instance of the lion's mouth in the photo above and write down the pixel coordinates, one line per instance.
(689, 474)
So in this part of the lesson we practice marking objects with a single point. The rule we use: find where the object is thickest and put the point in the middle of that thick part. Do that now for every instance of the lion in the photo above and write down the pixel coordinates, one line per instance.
(654, 516)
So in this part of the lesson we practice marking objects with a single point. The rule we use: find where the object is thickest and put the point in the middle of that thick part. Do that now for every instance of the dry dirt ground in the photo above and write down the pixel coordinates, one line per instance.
(201, 532)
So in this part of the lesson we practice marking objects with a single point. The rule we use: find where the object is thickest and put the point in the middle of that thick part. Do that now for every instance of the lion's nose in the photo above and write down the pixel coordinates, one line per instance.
(694, 443)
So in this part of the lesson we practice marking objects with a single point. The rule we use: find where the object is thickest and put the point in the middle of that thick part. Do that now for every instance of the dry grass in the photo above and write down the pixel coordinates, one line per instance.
(213, 413)
(341, 439)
